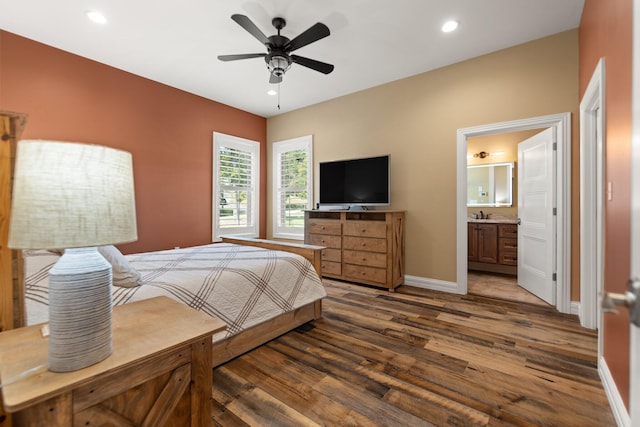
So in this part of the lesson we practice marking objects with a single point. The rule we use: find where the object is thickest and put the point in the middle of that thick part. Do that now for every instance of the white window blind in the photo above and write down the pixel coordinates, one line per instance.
(236, 172)
(292, 166)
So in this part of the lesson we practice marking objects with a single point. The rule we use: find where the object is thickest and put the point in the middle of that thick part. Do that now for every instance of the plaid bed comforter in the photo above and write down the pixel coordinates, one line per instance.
(242, 285)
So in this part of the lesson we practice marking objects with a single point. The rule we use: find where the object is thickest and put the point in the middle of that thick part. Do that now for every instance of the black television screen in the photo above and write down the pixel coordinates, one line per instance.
(363, 182)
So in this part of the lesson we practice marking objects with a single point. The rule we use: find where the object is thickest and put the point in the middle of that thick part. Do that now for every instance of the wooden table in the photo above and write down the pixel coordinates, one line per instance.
(158, 374)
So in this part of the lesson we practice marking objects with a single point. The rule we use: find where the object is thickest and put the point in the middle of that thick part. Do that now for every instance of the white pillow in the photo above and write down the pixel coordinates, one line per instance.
(123, 274)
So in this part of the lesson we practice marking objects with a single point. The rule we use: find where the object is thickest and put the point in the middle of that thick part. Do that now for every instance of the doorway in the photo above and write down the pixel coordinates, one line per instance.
(561, 125)
(592, 201)
(519, 268)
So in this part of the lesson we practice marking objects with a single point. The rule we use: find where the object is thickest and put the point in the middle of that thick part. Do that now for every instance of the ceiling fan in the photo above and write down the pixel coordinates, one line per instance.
(279, 48)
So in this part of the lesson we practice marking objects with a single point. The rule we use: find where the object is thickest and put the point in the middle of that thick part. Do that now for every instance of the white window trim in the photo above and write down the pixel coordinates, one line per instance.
(223, 140)
(303, 142)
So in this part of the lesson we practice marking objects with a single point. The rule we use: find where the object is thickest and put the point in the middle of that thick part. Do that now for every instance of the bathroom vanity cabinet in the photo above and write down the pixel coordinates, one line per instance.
(492, 247)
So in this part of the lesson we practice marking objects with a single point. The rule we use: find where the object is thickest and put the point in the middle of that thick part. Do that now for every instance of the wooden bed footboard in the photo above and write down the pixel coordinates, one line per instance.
(311, 252)
(229, 348)
(236, 345)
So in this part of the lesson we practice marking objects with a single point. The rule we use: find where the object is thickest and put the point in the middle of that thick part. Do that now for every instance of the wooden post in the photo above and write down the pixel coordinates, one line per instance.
(11, 275)
(6, 257)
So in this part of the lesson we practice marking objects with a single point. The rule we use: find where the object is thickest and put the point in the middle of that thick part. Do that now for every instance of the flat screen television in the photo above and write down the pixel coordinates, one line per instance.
(356, 182)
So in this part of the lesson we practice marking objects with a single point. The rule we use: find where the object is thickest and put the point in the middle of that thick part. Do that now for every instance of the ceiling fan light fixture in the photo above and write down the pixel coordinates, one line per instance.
(278, 65)
(272, 92)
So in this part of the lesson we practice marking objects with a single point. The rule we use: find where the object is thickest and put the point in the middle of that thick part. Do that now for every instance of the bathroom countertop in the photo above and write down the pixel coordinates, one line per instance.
(494, 220)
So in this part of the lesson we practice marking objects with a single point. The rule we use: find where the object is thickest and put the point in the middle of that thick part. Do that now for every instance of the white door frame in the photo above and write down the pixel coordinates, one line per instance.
(591, 200)
(562, 124)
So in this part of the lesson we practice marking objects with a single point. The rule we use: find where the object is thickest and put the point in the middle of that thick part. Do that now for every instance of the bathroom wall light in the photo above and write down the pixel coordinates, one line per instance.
(484, 154)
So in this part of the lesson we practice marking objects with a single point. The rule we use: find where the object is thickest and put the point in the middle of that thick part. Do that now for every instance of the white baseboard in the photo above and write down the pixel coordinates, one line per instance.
(432, 284)
(615, 400)
(575, 308)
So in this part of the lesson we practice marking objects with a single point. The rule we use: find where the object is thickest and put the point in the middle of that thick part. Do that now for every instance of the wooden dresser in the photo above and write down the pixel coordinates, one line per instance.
(493, 247)
(361, 246)
(158, 374)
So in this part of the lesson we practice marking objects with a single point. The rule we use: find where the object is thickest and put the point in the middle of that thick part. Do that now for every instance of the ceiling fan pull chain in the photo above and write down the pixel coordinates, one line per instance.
(278, 96)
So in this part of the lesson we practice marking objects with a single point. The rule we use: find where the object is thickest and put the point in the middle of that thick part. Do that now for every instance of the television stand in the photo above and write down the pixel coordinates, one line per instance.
(364, 246)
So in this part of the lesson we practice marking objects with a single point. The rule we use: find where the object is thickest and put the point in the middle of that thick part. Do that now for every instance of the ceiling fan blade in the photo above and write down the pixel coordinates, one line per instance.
(275, 79)
(314, 33)
(322, 67)
(241, 56)
(248, 25)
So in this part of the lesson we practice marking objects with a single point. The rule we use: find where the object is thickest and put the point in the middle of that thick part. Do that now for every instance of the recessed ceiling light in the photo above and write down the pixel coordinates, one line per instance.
(449, 26)
(272, 92)
(96, 17)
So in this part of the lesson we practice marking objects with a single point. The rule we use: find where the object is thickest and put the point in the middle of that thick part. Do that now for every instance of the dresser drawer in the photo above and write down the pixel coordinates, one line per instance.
(361, 273)
(325, 240)
(508, 245)
(366, 229)
(333, 268)
(370, 259)
(509, 258)
(364, 244)
(331, 255)
(319, 226)
(508, 230)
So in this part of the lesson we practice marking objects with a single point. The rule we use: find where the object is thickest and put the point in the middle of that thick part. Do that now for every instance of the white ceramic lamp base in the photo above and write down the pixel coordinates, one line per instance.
(79, 310)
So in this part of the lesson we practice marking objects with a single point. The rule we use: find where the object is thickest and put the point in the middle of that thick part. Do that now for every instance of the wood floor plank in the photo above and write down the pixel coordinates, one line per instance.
(418, 357)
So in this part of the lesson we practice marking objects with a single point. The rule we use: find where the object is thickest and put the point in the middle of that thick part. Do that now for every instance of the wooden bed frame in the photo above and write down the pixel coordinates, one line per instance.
(230, 347)
(12, 306)
(233, 346)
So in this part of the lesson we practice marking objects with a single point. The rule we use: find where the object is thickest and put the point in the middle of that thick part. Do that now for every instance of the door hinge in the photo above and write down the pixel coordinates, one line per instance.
(555, 211)
(555, 146)
(554, 277)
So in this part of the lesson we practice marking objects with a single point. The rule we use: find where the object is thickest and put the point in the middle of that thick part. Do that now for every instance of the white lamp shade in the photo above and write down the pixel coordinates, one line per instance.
(69, 195)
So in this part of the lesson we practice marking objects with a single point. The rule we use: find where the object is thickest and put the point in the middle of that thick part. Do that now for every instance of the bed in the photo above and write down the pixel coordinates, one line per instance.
(259, 288)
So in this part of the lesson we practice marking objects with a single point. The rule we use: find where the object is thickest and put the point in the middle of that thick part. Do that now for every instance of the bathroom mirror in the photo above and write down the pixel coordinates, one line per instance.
(490, 185)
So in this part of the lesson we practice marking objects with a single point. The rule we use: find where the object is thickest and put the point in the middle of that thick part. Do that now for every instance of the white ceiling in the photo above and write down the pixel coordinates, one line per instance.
(372, 41)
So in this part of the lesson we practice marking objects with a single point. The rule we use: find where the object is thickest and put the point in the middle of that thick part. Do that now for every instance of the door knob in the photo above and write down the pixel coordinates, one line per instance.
(610, 301)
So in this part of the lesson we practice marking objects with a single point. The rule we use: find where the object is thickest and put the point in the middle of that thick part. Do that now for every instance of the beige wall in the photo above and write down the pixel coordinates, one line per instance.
(416, 119)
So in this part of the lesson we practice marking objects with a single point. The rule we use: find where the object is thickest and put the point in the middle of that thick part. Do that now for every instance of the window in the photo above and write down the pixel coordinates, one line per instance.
(236, 176)
(292, 172)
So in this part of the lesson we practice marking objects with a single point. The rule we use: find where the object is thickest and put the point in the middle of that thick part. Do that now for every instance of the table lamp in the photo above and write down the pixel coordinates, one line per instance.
(74, 197)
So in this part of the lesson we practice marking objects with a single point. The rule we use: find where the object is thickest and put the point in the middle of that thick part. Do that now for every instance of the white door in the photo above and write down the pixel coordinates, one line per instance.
(536, 235)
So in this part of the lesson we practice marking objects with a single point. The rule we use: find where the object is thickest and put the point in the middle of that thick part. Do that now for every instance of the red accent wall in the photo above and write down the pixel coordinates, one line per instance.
(606, 32)
(168, 131)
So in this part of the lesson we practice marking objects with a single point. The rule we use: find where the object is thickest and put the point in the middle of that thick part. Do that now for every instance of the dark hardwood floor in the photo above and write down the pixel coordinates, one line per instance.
(416, 357)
